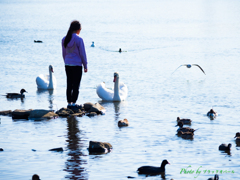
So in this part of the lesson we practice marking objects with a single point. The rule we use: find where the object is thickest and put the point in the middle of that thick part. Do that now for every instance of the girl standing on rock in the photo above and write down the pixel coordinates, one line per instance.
(74, 56)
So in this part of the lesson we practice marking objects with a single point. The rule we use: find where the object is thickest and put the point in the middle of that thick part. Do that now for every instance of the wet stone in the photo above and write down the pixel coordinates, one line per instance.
(21, 114)
(42, 114)
(87, 106)
(6, 112)
(122, 123)
(77, 110)
(64, 112)
(99, 147)
(77, 114)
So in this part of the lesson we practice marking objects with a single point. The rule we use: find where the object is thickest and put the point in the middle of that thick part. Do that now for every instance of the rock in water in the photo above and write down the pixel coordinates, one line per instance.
(99, 147)
(97, 108)
(42, 114)
(122, 123)
(6, 112)
(21, 114)
(64, 112)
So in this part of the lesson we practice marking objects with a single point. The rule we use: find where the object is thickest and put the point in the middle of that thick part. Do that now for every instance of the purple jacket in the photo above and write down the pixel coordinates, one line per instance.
(74, 53)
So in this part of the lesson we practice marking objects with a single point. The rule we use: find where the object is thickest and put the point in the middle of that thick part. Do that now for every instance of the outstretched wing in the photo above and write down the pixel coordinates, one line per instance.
(178, 67)
(199, 67)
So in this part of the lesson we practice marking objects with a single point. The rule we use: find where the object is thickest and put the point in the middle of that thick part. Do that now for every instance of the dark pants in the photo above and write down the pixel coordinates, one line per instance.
(74, 76)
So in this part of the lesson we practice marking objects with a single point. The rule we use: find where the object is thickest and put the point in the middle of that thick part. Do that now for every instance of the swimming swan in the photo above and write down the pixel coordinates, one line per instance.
(119, 93)
(47, 81)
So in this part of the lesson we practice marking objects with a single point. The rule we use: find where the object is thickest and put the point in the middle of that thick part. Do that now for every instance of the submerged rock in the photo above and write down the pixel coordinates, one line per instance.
(42, 114)
(99, 147)
(21, 114)
(6, 112)
(122, 123)
(56, 149)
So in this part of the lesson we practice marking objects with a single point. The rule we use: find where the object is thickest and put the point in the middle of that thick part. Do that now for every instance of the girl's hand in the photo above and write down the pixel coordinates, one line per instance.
(85, 70)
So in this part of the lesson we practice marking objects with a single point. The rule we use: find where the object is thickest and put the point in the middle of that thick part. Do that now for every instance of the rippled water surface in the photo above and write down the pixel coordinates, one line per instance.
(158, 36)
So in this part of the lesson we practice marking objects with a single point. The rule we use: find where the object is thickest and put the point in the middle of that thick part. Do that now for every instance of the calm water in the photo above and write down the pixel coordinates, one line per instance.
(159, 36)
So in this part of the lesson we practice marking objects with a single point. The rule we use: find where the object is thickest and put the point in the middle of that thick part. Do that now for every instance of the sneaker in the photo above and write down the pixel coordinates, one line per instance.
(69, 106)
(76, 106)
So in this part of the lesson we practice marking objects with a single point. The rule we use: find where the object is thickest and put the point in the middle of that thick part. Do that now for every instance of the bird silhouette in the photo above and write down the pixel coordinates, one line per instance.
(189, 66)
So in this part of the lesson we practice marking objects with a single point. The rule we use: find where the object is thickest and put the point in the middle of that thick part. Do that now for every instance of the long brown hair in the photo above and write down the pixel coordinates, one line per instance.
(75, 25)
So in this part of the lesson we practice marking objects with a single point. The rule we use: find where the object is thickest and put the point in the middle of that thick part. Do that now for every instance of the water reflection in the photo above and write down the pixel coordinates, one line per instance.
(237, 143)
(163, 176)
(228, 152)
(116, 107)
(50, 96)
(75, 156)
(16, 99)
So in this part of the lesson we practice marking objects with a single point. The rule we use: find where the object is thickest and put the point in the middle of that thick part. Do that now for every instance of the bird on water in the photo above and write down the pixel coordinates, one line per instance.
(152, 170)
(16, 95)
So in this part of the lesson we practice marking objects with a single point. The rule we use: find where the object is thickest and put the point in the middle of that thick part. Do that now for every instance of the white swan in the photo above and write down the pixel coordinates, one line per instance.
(47, 81)
(119, 93)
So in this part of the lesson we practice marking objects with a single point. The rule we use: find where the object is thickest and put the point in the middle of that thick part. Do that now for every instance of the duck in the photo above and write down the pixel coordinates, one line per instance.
(119, 92)
(237, 136)
(16, 95)
(47, 82)
(212, 113)
(224, 147)
(92, 45)
(186, 135)
(216, 177)
(189, 66)
(184, 121)
(184, 129)
(152, 170)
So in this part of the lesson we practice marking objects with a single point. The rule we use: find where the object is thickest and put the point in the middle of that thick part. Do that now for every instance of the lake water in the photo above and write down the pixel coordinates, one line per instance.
(159, 36)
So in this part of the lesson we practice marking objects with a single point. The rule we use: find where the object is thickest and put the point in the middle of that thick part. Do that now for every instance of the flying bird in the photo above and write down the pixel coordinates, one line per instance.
(189, 66)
